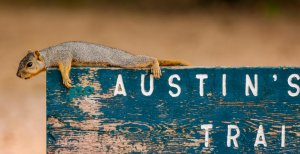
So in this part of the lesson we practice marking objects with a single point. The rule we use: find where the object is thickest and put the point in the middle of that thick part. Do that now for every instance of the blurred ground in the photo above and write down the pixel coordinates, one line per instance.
(204, 39)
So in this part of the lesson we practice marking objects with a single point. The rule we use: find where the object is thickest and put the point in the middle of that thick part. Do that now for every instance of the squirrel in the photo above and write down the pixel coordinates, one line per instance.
(78, 53)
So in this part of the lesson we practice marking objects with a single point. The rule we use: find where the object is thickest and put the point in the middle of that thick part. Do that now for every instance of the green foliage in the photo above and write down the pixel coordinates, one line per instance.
(272, 8)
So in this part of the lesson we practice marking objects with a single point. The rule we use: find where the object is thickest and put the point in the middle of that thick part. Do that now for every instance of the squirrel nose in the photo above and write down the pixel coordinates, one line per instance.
(18, 74)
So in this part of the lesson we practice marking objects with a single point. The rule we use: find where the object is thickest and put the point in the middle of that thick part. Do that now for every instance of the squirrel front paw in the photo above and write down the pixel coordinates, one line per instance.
(67, 82)
(155, 70)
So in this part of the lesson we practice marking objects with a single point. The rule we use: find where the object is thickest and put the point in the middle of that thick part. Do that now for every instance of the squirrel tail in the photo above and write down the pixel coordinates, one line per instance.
(172, 63)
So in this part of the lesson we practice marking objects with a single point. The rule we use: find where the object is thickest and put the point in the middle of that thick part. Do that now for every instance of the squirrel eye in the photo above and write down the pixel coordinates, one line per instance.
(29, 64)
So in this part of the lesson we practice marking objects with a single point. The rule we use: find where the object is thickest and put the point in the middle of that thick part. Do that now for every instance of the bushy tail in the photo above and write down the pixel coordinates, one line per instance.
(172, 63)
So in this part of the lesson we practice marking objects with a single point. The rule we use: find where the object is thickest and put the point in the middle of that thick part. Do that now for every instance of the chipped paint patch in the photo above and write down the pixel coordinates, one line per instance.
(92, 124)
(92, 142)
(89, 106)
(194, 142)
(55, 122)
(110, 126)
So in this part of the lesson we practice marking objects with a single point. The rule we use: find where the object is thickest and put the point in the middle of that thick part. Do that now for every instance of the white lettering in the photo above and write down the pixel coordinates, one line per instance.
(260, 137)
(120, 89)
(201, 77)
(296, 93)
(283, 136)
(206, 127)
(249, 85)
(233, 138)
(144, 92)
(171, 78)
(224, 85)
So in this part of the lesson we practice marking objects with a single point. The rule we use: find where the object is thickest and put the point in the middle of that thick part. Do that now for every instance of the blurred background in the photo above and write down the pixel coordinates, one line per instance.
(202, 32)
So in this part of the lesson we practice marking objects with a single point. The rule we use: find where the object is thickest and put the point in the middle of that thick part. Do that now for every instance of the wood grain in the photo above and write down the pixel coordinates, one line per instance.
(88, 118)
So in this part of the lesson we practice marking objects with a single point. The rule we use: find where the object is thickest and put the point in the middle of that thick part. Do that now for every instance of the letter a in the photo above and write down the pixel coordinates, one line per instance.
(260, 134)
(120, 89)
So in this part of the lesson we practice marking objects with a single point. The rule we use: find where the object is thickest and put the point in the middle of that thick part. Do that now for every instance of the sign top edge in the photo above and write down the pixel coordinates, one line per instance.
(190, 67)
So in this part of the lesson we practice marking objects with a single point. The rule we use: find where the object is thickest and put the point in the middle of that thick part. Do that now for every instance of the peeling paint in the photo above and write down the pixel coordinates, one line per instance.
(93, 143)
(92, 124)
(88, 106)
(55, 122)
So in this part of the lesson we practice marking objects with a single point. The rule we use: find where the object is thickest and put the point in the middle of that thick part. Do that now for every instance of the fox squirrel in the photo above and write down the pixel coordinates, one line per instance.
(69, 54)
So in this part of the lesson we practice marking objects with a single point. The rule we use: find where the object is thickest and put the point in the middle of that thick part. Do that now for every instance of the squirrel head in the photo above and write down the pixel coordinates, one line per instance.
(32, 64)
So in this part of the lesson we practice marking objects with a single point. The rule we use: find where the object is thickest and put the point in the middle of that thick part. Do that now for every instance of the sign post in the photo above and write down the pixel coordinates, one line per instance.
(189, 110)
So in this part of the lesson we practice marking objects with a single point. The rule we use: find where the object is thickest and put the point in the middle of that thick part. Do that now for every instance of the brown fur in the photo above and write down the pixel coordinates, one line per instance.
(172, 63)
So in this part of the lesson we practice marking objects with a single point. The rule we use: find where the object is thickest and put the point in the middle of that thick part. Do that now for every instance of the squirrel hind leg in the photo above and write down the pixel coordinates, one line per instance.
(141, 61)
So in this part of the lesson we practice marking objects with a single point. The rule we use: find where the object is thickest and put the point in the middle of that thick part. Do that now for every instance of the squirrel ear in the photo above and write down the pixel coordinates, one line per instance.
(37, 54)
(29, 51)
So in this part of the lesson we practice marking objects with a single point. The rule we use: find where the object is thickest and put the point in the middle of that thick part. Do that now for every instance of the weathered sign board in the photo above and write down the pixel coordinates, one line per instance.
(188, 110)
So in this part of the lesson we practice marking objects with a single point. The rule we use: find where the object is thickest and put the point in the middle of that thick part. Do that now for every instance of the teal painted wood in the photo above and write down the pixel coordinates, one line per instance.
(88, 118)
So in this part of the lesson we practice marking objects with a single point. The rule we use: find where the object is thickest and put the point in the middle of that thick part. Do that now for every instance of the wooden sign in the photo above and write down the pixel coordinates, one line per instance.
(188, 110)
